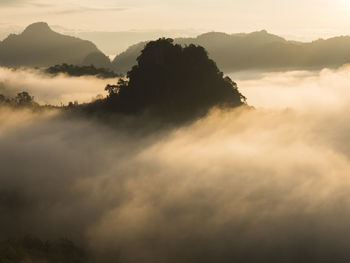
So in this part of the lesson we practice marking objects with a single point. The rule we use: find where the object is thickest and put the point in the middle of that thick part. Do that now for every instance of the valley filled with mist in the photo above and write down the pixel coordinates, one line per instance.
(173, 161)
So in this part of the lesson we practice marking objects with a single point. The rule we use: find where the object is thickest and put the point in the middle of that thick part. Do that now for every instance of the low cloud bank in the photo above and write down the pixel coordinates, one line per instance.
(47, 89)
(264, 185)
(301, 90)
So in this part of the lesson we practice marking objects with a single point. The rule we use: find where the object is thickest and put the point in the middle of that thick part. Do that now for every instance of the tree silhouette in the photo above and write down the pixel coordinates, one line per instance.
(32, 249)
(24, 98)
(172, 80)
(76, 71)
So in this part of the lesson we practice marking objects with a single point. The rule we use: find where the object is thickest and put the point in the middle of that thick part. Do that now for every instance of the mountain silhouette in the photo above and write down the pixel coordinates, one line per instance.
(39, 46)
(256, 51)
(173, 82)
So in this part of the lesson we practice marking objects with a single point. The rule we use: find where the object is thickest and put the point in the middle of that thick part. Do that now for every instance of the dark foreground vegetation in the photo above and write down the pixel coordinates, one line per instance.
(77, 71)
(22, 99)
(30, 249)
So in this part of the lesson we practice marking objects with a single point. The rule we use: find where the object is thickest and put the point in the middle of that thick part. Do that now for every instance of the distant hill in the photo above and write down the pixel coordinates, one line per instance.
(125, 60)
(39, 46)
(77, 71)
(256, 51)
(112, 43)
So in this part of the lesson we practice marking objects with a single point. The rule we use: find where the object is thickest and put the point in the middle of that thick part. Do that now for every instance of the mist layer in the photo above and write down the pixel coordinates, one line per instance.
(243, 185)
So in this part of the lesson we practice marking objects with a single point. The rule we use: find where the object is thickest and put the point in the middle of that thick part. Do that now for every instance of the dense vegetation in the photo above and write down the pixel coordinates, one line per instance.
(31, 249)
(172, 81)
(22, 99)
(74, 70)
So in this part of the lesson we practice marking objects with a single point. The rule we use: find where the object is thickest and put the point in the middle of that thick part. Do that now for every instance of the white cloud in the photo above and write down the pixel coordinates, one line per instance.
(51, 90)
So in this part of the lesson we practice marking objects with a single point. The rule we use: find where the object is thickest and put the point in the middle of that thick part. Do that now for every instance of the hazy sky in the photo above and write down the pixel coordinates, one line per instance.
(302, 19)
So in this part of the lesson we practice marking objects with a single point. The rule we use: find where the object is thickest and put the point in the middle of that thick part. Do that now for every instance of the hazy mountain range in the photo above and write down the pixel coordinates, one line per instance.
(257, 51)
(112, 43)
(39, 46)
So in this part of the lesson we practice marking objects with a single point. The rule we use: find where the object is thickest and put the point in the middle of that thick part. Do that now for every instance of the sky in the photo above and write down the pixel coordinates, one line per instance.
(298, 19)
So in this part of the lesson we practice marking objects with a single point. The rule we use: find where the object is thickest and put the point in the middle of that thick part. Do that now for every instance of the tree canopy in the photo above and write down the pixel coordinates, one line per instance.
(77, 71)
(173, 80)
(22, 99)
(31, 249)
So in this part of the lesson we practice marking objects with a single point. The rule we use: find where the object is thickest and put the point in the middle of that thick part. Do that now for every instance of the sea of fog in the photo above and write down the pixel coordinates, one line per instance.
(54, 90)
(269, 184)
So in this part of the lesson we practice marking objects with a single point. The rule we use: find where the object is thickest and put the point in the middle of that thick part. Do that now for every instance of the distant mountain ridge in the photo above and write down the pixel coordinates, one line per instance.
(39, 46)
(257, 51)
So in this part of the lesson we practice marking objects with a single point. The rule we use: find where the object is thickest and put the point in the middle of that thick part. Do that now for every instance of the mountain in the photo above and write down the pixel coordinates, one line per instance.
(173, 83)
(39, 46)
(112, 43)
(123, 62)
(256, 51)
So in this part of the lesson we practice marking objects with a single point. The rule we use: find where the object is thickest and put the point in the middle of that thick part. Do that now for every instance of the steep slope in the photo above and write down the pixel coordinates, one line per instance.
(257, 51)
(123, 62)
(173, 83)
(39, 46)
